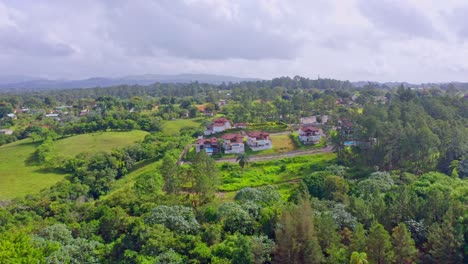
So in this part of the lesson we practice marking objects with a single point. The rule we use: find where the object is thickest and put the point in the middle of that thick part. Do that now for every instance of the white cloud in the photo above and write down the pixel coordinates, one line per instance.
(414, 40)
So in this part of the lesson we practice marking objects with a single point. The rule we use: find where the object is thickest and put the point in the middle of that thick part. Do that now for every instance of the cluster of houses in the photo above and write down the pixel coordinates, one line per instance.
(231, 143)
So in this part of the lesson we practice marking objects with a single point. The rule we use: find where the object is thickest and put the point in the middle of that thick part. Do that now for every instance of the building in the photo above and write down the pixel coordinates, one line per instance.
(310, 134)
(233, 143)
(209, 145)
(218, 125)
(12, 116)
(6, 131)
(259, 141)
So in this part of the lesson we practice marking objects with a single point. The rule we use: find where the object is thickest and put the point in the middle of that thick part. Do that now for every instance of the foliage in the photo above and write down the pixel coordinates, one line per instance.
(177, 218)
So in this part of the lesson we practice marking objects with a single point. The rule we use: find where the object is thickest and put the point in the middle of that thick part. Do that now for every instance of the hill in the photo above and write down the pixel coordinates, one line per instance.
(95, 142)
(22, 83)
(18, 177)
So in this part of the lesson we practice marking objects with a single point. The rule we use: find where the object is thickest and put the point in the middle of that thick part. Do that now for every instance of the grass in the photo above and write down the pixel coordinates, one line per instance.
(95, 142)
(174, 126)
(273, 172)
(17, 176)
(281, 144)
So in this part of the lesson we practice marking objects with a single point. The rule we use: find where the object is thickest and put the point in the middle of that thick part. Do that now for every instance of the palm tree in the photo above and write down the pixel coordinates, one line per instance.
(243, 160)
(358, 258)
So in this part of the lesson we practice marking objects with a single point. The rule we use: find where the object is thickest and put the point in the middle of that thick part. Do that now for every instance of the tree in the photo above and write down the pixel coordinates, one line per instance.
(243, 160)
(177, 218)
(205, 177)
(169, 171)
(295, 236)
(379, 246)
(445, 243)
(358, 241)
(403, 245)
(358, 258)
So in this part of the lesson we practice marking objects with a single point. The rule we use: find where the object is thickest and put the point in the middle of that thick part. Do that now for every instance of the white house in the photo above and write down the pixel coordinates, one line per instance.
(218, 125)
(209, 145)
(259, 141)
(233, 143)
(309, 134)
(6, 131)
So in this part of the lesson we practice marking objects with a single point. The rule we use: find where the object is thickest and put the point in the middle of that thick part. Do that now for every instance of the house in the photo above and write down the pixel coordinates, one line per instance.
(310, 134)
(12, 116)
(240, 125)
(209, 145)
(6, 131)
(52, 115)
(233, 143)
(259, 141)
(222, 102)
(84, 112)
(218, 125)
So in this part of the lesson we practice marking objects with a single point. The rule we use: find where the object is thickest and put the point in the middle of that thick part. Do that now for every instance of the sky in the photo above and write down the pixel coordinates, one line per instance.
(369, 40)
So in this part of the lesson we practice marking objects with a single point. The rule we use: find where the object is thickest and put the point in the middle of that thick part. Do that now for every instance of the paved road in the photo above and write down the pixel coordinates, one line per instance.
(282, 155)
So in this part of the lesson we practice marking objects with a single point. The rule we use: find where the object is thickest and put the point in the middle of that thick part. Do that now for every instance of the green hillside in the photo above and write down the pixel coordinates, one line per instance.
(95, 142)
(17, 177)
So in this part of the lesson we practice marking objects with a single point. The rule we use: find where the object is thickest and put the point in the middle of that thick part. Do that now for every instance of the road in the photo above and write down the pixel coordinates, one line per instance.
(275, 156)
(282, 155)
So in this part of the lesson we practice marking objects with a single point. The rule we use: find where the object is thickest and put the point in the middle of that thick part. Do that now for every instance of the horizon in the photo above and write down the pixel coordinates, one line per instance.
(356, 40)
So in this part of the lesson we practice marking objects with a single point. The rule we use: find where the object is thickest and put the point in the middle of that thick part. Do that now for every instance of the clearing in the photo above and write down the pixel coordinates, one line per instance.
(174, 126)
(17, 176)
(95, 142)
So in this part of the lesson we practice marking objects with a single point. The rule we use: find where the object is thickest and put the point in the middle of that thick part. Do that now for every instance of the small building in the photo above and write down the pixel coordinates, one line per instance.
(52, 115)
(310, 134)
(6, 131)
(259, 141)
(12, 116)
(233, 143)
(218, 125)
(240, 125)
(84, 112)
(209, 145)
(222, 102)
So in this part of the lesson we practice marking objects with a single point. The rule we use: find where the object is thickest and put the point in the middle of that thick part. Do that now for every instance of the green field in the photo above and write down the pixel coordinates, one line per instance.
(17, 177)
(95, 142)
(281, 143)
(273, 172)
(173, 126)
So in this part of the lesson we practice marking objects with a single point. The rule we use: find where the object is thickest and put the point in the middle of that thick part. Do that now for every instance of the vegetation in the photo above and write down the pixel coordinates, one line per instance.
(103, 182)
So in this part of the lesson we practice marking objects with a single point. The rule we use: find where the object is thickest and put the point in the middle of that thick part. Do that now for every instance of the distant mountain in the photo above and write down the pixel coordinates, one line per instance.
(27, 83)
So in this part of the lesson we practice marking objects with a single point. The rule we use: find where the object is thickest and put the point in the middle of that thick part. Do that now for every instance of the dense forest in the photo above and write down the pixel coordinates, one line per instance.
(394, 190)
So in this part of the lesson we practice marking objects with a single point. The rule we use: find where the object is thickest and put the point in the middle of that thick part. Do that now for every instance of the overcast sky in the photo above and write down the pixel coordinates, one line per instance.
(379, 40)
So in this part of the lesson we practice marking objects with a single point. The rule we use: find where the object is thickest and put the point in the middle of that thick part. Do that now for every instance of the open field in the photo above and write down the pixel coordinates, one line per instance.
(174, 126)
(95, 142)
(271, 172)
(282, 143)
(17, 176)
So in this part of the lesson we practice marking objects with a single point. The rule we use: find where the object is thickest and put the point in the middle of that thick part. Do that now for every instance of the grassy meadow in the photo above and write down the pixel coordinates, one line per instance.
(20, 176)
(174, 126)
(274, 172)
(95, 142)
(17, 176)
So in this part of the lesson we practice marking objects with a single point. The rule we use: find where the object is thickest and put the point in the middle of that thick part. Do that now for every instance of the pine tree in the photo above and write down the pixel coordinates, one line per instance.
(358, 239)
(445, 244)
(403, 245)
(295, 235)
(379, 246)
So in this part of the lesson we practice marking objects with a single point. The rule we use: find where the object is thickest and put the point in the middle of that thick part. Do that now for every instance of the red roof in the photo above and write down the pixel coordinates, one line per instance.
(309, 129)
(220, 120)
(258, 135)
(207, 140)
(237, 137)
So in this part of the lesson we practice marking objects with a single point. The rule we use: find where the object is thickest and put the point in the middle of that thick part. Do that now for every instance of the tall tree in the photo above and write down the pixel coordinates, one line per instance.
(295, 235)
(169, 171)
(358, 258)
(403, 245)
(379, 246)
(205, 176)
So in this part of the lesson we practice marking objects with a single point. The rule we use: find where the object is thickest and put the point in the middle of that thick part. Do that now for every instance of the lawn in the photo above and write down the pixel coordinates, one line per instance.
(173, 126)
(286, 170)
(282, 143)
(17, 176)
(95, 142)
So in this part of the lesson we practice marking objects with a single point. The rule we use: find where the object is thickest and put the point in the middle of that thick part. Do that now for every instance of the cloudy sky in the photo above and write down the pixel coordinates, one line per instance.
(379, 40)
